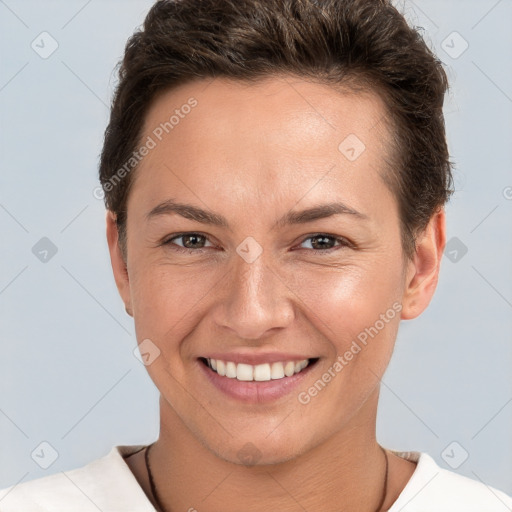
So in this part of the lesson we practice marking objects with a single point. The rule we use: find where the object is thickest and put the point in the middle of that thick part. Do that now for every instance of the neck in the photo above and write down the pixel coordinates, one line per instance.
(347, 471)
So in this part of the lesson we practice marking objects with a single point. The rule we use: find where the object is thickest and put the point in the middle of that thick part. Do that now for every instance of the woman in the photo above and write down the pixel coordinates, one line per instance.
(274, 174)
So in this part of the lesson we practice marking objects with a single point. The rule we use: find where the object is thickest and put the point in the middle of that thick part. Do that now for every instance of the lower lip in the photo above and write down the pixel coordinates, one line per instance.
(255, 391)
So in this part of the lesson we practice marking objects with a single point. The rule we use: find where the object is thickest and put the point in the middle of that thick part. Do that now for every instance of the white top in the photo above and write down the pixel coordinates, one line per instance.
(107, 484)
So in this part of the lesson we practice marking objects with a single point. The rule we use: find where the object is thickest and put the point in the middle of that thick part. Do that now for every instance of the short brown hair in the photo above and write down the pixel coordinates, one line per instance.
(359, 44)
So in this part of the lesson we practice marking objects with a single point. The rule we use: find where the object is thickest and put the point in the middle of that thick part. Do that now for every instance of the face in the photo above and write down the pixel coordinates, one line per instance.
(260, 238)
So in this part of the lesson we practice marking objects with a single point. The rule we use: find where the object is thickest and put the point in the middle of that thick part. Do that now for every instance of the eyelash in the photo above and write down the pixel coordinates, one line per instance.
(343, 242)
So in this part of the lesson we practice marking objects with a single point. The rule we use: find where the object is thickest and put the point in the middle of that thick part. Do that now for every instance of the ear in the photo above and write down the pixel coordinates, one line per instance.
(118, 262)
(423, 268)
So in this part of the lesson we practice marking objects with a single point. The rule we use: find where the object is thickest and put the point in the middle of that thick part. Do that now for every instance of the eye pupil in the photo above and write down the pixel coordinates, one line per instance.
(194, 238)
(326, 242)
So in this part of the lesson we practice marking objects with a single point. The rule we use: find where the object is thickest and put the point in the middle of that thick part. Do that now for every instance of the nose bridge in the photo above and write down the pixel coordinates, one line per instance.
(255, 301)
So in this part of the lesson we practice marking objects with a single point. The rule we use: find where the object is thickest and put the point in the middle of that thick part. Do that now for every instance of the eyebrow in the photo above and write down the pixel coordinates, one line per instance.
(197, 214)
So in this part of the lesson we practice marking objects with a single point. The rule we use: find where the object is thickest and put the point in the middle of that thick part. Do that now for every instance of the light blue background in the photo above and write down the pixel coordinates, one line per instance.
(67, 372)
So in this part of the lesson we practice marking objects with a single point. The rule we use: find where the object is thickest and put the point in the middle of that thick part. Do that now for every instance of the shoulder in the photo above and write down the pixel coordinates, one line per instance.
(104, 484)
(434, 488)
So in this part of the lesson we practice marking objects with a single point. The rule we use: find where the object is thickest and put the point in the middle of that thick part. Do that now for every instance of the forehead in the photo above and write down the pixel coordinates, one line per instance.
(265, 139)
(282, 112)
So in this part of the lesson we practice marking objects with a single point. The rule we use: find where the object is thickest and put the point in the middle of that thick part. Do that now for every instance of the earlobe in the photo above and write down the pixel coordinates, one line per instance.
(423, 272)
(118, 262)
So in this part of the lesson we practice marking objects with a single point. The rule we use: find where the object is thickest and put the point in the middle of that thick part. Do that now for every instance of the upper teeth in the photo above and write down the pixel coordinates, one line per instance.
(259, 372)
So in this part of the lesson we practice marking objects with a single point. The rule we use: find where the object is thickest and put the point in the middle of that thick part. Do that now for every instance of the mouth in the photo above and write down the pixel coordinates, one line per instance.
(258, 383)
(259, 372)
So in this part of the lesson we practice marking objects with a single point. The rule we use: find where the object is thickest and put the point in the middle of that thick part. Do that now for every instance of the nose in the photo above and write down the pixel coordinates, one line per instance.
(255, 300)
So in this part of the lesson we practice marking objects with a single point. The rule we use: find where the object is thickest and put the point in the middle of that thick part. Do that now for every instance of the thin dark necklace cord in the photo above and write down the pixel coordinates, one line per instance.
(151, 481)
(160, 506)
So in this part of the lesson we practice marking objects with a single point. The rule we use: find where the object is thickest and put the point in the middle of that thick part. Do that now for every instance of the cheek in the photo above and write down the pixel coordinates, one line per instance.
(347, 300)
(168, 299)
(357, 311)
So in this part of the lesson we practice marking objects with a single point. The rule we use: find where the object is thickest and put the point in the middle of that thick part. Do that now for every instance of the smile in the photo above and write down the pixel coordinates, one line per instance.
(260, 372)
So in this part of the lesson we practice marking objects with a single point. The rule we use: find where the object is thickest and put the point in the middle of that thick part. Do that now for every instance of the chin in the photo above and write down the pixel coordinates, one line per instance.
(261, 451)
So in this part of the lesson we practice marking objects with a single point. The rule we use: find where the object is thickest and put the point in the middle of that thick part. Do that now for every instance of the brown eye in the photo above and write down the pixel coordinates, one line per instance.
(189, 241)
(322, 242)
(193, 241)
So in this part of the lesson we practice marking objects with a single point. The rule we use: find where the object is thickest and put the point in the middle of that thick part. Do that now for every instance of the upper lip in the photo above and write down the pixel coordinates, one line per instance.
(255, 359)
